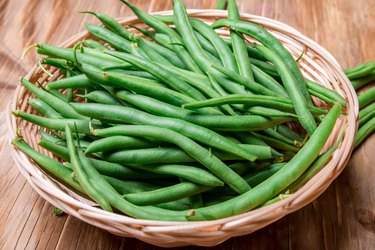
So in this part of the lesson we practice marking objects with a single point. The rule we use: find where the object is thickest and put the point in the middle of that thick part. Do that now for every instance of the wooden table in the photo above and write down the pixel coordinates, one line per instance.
(342, 218)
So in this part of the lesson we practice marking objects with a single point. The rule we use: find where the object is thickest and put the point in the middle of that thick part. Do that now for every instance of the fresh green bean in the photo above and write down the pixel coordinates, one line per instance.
(43, 108)
(366, 97)
(175, 155)
(83, 126)
(360, 82)
(324, 92)
(81, 175)
(48, 164)
(78, 81)
(251, 85)
(288, 132)
(117, 142)
(254, 178)
(101, 96)
(269, 112)
(94, 44)
(186, 172)
(316, 166)
(360, 70)
(238, 44)
(271, 132)
(162, 195)
(251, 100)
(276, 143)
(60, 106)
(267, 81)
(295, 94)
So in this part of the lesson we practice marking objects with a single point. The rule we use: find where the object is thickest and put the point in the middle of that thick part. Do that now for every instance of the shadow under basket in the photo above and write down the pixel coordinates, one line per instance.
(316, 64)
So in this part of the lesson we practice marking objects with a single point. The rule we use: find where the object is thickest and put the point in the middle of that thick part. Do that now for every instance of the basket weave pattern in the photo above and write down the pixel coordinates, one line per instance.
(316, 64)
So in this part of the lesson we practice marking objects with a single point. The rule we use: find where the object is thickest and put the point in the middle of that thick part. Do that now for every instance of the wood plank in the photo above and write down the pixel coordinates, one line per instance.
(342, 218)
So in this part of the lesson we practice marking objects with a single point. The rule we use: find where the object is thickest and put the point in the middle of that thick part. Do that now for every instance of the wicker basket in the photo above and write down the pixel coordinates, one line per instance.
(316, 64)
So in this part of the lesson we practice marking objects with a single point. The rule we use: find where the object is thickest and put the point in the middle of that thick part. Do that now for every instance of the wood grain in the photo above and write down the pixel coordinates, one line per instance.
(342, 218)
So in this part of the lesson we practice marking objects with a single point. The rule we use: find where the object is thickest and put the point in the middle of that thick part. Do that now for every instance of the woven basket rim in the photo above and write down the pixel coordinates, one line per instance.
(275, 211)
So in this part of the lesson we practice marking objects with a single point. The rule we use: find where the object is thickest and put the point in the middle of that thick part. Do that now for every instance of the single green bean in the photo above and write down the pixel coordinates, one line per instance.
(78, 81)
(43, 108)
(366, 97)
(366, 114)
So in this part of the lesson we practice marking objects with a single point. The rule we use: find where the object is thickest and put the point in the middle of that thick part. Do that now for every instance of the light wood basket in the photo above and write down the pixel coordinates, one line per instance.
(316, 64)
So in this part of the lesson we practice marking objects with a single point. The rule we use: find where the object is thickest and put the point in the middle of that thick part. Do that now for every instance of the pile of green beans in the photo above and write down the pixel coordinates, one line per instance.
(361, 77)
(184, 125)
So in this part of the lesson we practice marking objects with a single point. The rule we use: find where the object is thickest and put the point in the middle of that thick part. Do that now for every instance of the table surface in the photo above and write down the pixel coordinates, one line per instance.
(342, 218)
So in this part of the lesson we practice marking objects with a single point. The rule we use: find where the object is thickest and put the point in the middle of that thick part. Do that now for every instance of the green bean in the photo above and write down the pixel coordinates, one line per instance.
(78, 81)
(238, 44)
(206, 45)
(48, 164)
(163, 28)
(81, 175)
(366, 97)
(277, 182)
(288, 132)
(225, 54)
(364, 131)
(175, 155)
(360, 82)
(276, 143)
(83, 126)
(101, 96)
(104, 167)
(300, 106)
(187, 172)
(110, 37)
(159, 72)
(244, 122)
(162, 195)
(276, 135)
(274, 44)
(366, 114)
(198, 133)
(241, 167)
(136, 84)
(359, 71)
(189, 146)
(43, 108)
(325, 92)
(128, 186)
(259, 110)
(94, 44)
(221, 4)
(251, 85)
(117, 142)
(91, 57)
(316, 166)
(60, 106)
(268, 82)
(254, 178)
(251, 100)
(266, 67)
(153, 55)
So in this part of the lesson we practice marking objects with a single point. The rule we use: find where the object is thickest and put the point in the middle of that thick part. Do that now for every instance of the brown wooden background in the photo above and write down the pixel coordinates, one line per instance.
(342, 218)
